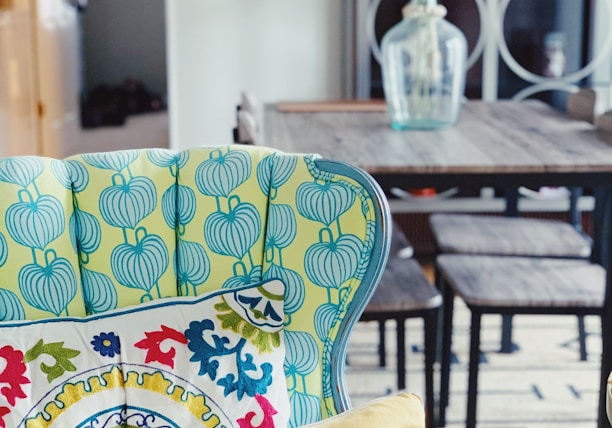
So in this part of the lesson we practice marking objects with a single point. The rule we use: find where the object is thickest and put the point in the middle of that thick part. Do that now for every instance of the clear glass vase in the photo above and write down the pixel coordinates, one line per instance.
(423, 64)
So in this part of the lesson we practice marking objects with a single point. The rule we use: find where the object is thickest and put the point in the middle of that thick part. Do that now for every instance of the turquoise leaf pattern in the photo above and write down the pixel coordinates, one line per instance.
(3, 250)
(22, 170)
(98, 291)
(127, 204)
(192, 267)
(115, 161)
(72, 231)
(79, 176)
(305, 409)
(163, 158)
(302, 354)
(295, 290)
(185, 205)
(169, 207)
(323, 202)
(282, 226)
(329, 264)
(168, 158)
(223, 172)
(140, 266)
(88, 231)
(10, 306)
(178, 210)
(36, 223)
(264, 172)
(274, 171)
(325, 315)
(61, 173)
(182, 158)
(48, 287)
(244, 278)
(234, 233)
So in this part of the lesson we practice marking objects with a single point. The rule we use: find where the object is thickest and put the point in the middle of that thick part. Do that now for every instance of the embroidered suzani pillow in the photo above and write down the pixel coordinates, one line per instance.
(211, 360)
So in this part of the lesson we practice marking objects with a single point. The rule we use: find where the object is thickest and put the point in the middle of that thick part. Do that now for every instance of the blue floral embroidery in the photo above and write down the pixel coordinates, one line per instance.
(107, 344)
(208, 354)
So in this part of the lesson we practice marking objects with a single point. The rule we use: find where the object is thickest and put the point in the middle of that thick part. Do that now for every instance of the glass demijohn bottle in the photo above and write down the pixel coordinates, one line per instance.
(423, 63)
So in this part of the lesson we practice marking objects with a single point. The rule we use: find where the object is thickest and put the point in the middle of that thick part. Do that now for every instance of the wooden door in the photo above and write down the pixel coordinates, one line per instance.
(39, 78)
(19, 130)
(58, 75)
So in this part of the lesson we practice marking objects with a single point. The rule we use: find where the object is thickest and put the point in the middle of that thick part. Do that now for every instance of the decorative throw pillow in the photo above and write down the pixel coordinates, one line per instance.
(189, 361)
(403, 410)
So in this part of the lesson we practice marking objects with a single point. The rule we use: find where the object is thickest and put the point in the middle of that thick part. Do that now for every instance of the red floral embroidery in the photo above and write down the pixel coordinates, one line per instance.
(153, 341)
(3, 411)
(268, 412)
(13, 374)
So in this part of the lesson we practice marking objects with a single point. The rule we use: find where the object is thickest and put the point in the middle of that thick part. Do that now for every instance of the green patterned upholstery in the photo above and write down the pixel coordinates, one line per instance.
(222, 214)
(39, 268)
(156, 223)
(124, 205)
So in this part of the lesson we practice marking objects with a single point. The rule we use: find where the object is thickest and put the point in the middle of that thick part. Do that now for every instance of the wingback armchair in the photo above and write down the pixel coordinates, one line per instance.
(220, 282)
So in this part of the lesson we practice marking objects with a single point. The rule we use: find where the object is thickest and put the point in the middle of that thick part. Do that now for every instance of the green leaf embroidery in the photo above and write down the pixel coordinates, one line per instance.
(56, 350)
(265, 342)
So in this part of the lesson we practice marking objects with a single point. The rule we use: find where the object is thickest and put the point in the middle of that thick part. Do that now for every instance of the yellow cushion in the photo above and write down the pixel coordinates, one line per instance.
(403, 410)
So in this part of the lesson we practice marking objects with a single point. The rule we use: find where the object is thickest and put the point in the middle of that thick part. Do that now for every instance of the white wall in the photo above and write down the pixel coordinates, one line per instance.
(276, 49)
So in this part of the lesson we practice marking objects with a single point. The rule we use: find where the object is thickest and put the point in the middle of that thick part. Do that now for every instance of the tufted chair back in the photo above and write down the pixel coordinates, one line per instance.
(96, 232)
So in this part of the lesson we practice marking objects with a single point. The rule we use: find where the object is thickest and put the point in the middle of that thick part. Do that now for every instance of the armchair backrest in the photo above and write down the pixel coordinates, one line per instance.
(99, 231)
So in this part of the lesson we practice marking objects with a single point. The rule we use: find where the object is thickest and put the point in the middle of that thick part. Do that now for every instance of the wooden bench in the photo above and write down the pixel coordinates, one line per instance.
(404, 292)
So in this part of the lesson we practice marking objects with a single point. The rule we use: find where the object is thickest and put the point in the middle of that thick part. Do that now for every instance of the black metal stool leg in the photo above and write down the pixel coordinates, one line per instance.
(507, 347)
(582, 338)
(430, 321)
(382, 347)
(606, 367)
(401, 353)
(440, 286)
(447, 331)
(512, 197)
(473, 369)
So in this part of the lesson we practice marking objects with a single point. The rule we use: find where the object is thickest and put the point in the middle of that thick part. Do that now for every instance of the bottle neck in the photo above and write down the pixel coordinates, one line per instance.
(426, 3)
(424, 9)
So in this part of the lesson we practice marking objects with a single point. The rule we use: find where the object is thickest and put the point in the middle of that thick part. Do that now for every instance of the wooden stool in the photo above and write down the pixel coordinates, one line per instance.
(510, 236)
(404, 292)
(511, 285)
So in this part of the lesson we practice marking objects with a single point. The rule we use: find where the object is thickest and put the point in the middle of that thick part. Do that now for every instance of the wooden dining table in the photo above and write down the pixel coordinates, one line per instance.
(502, 144)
